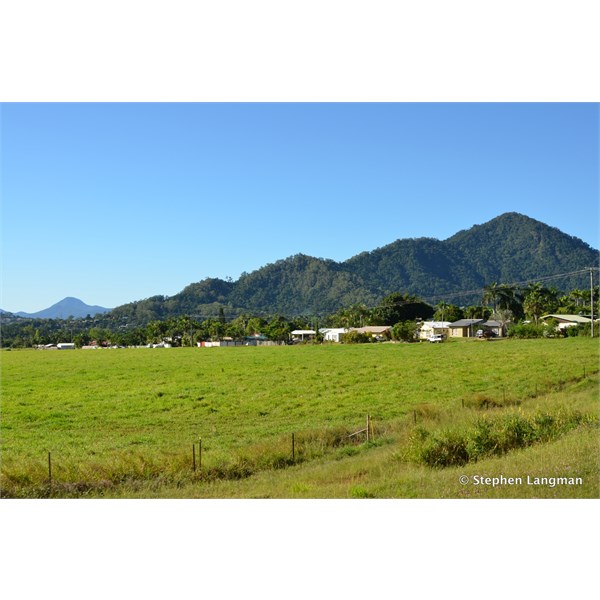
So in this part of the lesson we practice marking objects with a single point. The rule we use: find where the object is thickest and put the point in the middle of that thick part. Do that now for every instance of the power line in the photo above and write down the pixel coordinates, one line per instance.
(513, 284)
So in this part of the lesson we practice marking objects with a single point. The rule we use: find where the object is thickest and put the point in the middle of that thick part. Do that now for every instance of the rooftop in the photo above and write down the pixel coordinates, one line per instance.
(465, 322)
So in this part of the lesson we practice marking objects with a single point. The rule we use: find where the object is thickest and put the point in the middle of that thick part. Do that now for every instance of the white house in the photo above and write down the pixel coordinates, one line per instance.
(333, 334)
(303, 334)
(429, 328)
(565, 321)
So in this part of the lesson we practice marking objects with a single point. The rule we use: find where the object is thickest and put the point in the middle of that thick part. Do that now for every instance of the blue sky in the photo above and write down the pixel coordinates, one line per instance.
(117, 202)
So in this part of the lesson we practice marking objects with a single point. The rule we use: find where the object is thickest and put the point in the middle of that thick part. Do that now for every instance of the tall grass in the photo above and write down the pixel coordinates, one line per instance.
(496, 436)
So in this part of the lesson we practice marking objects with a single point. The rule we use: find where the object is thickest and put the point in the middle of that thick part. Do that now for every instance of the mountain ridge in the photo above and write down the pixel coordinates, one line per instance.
(511, 247)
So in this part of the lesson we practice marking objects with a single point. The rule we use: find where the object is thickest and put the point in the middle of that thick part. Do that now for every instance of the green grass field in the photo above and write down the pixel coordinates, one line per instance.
(121, 423)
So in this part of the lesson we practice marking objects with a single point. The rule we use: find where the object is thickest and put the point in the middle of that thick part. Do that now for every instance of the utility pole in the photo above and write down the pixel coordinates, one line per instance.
(592, 297)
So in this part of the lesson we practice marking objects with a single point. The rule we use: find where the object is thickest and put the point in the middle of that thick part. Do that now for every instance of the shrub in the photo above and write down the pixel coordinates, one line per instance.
(581, 330)
(448, 450)
(405, 331)
(493, 437)
(484, 440)
(526, 330)
(515, 431)
(356, 337)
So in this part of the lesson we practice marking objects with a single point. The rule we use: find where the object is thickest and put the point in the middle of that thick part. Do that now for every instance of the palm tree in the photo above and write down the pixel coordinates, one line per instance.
(499, 295)
(442, 307)
(578, 296)
(491, 294)
(539, 300)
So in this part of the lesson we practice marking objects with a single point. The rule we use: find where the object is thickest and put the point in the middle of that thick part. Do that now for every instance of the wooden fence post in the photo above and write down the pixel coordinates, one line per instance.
(415, 416)
(293, 449)
(200, 453)
(50, 469)
(194, 457)
(368, 423)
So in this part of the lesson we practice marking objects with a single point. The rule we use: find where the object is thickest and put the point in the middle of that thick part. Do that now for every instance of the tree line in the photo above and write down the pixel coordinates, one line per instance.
(508, 304)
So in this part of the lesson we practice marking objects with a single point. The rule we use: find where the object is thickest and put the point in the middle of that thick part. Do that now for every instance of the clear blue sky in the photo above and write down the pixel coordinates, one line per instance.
(117, 202)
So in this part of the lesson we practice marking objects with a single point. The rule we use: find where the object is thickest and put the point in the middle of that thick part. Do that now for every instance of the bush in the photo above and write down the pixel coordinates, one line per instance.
(448, 450)
(405, 331)
(526, 330)
(493, 437)
(574, 331)
(356, 337)
(581, 330)
(515, 432)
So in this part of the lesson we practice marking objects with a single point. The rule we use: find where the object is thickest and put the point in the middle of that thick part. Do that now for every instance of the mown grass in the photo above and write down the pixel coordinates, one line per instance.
(122, 422)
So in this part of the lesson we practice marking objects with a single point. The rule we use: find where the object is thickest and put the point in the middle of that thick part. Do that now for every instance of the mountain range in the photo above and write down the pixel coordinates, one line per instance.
(508, 249)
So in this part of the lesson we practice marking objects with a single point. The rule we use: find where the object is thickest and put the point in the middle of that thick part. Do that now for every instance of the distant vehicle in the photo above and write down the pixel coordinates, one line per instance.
(487, 334)
(436, 338)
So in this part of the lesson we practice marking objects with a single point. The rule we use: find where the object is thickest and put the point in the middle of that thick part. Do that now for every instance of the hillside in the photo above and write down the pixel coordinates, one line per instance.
(514, 247)
(507, 249)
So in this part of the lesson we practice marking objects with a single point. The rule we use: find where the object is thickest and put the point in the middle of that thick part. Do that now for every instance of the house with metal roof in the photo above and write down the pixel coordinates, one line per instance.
(565, 321)
(376, 331)
(465, 328)
(496, 327)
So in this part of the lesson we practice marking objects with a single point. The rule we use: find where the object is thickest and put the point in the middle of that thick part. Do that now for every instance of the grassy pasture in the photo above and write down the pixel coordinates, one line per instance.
(122, 422)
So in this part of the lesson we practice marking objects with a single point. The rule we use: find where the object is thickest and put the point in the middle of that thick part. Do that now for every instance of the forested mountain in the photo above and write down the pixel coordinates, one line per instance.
(513, 247)
(508, 249)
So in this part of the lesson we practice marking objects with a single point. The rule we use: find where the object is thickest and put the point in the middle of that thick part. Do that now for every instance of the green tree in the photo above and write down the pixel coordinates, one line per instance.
(81, 339)
(214, 328)
(278, 329)
(255, 326)
(539, 300)
(405, 331)
(501, 296)
(447, 312)
(398, 307)
(236, 328)
(156, 331)
(356, 315)
(476, 312)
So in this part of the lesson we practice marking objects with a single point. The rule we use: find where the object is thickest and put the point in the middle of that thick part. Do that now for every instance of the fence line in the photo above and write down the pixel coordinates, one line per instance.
(368, 430)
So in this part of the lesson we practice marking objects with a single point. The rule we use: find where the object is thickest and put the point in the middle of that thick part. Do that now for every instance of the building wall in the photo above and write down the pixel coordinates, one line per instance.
(461, 332)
